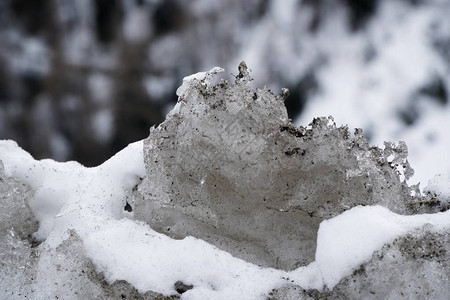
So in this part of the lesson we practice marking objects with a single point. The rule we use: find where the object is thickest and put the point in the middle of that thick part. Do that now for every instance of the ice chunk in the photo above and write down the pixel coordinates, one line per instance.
(200, 79)
(17, 224)
(14, 210)
(227, 166)
(17, 265)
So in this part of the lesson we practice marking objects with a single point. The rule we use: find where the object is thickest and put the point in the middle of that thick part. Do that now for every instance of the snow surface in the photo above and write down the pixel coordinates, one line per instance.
(90, 201)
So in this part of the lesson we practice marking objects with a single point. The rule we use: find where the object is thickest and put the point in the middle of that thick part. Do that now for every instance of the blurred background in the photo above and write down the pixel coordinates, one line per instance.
(79, 80)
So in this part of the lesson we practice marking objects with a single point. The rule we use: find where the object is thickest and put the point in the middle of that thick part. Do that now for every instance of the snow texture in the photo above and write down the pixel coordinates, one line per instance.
(66, 231)
(414, 266)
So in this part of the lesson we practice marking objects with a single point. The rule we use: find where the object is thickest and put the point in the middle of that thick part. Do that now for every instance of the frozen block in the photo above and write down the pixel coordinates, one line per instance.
(228, 166)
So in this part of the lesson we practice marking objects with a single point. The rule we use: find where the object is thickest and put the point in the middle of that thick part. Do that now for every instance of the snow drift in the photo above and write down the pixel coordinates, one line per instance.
(226, 199)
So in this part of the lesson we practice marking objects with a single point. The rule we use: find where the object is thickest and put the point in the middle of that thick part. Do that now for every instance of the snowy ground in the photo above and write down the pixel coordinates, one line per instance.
(69, 197)
(90, 201)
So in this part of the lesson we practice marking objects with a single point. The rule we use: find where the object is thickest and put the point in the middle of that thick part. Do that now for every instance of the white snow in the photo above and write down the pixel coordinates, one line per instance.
(90, 201)
(439, 187)
(348, 240)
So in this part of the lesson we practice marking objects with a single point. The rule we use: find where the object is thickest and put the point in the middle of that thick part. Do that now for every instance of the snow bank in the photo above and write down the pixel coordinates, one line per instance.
(88, 245)
(367, 229)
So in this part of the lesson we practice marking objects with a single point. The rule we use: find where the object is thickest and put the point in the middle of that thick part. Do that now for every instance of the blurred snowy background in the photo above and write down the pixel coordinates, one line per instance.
(81, 79)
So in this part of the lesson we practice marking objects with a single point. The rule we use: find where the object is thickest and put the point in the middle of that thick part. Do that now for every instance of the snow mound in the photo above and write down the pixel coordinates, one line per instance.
(247, 196)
